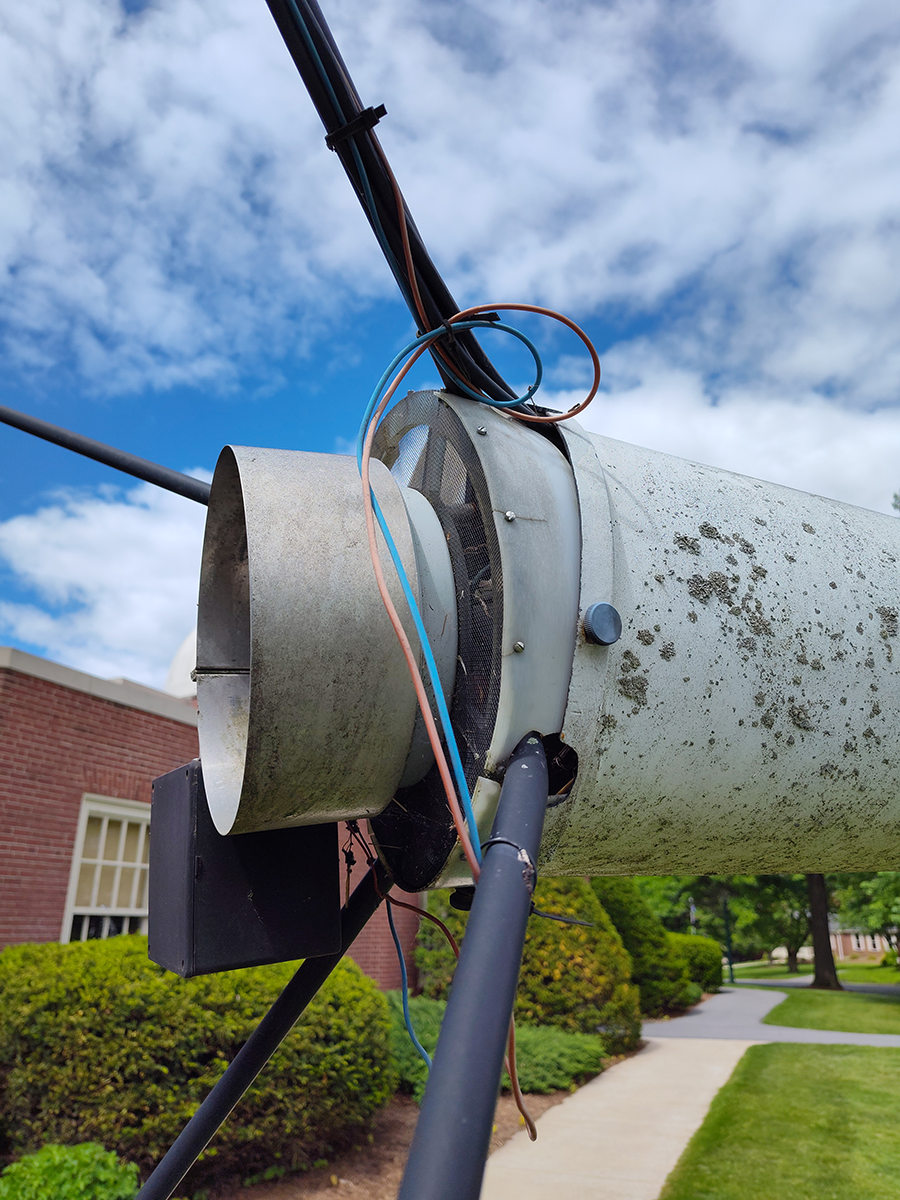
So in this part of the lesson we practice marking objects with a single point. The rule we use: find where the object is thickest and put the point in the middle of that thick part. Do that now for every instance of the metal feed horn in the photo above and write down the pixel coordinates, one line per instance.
(744, 719)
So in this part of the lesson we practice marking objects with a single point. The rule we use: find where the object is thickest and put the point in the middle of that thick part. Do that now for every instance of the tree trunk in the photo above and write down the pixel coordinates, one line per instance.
(793, 968)
(826, 975)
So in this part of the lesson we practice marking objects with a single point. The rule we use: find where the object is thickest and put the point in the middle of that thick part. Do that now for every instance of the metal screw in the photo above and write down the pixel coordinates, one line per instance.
(481, 429)
(518, 647)
(510, 516)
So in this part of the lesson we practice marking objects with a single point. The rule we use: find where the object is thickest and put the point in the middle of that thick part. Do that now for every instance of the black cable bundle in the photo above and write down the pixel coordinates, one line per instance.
(348, 127)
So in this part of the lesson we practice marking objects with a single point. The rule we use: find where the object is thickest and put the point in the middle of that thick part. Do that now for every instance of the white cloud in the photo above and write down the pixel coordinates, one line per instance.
(716, 179)
(114, 578)
(729, 167)
(803, 442)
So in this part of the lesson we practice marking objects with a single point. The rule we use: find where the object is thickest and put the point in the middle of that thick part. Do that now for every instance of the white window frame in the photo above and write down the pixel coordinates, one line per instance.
(121, 810)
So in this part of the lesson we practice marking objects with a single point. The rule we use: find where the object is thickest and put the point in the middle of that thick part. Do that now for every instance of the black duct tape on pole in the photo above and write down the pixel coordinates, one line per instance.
(448, 1153)
(261, 1045)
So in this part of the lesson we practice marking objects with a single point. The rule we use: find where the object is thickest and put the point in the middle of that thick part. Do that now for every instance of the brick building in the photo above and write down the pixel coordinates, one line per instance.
(77, 758)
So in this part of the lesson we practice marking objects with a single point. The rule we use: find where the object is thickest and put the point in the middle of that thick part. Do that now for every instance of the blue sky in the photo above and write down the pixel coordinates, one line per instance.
(711, 189)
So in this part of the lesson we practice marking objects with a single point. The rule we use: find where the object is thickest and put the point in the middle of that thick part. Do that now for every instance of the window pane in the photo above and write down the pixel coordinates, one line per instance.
(132, 840)
(92, 837)
(111, 845)
(114, 926)
(75, 931)
(141, 901)
(126, 882)
(85, 886)
(145, 853)
(105, 890)
(95, 927)
(134, 924)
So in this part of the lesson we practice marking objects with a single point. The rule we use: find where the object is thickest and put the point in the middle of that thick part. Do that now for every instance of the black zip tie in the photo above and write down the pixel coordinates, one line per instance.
(362, 123)
(563, 920)
(451, 335)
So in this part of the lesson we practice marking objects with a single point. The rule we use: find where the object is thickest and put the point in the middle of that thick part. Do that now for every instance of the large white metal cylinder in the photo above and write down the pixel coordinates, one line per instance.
(747, 719)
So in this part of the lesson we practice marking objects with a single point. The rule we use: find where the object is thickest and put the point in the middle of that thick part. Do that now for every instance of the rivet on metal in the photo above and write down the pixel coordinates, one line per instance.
(510, 516)
(481, 429)
(518, 647)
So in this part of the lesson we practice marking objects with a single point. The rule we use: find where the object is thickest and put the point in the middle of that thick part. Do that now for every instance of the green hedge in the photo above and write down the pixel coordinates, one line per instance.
(547, 1059)
(86, 1172)
(702, 957)
(572, 977)
(659, 972)
(99, 1044)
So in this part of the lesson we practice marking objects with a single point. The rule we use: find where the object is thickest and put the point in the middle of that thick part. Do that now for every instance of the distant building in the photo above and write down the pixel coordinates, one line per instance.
(77, 757)
(851, 943)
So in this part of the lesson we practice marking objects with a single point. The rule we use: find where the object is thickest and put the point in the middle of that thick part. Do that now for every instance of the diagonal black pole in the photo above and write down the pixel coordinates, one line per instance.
(453, 1135)
(121, 460)
(262, 1044)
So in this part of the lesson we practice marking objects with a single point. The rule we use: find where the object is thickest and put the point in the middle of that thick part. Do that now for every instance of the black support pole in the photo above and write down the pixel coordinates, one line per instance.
(140, 468)
(261, 1045)
(447, 1157)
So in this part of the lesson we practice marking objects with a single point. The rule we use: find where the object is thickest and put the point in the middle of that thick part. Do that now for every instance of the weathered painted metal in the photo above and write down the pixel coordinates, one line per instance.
(747, 719)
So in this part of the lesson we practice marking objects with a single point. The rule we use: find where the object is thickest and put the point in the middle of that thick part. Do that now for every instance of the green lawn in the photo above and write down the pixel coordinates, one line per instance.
(860, 973)
(848, 1012)
(764, 971)
(798, 1122)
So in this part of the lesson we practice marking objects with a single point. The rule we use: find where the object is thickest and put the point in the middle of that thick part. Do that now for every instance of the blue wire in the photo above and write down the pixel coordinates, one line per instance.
(404, 989)
(430, 664)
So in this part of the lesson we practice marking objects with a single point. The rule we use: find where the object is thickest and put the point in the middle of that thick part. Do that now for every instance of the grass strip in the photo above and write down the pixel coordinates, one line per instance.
(806, 1122)
(844, 1012)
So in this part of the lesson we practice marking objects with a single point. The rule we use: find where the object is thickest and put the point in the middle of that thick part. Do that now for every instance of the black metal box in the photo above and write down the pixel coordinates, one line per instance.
(217, 903)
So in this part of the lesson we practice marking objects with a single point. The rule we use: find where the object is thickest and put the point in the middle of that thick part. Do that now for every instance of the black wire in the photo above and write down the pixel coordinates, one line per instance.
(466, 355)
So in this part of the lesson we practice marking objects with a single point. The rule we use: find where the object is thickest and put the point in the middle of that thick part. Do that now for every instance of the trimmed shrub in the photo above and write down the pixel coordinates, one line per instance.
(547, 1059)
(702, 957)
(98, 1043)
(572, 977)
(659, 973)
(86, 1172)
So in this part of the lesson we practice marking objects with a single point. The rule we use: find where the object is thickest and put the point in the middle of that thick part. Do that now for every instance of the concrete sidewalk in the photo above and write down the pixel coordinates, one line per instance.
(803, 981)
(737, 1013)
(620, 1135)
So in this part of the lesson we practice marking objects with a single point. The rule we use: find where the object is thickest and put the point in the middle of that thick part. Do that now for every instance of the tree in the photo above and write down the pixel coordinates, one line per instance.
(870, 902)
(826, 974)
(895, 503)
(782, 912)
(761, 912)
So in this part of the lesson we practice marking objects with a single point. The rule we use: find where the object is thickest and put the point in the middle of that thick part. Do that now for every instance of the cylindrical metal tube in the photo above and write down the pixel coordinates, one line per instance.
(746, 719)
(261, 1045)
(306, 707)
(446, 1160)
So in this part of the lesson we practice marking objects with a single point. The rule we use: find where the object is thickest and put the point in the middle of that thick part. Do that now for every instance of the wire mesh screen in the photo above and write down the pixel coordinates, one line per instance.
(427, 448)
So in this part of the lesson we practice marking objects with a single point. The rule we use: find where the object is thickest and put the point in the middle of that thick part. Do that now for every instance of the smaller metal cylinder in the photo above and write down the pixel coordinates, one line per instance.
(306, 707)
